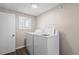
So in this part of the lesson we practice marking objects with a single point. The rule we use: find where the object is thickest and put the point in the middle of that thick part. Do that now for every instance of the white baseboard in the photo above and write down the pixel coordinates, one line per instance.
(20, 47)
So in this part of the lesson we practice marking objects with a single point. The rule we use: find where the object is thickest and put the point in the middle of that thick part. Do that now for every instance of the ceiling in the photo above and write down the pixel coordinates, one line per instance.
(26, 7)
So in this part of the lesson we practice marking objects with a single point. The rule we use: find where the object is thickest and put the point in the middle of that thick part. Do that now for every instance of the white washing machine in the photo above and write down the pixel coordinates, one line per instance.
(29, 36)
(46, 44)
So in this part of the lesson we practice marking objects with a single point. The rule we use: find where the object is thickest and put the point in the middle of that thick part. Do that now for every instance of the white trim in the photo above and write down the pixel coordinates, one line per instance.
(20, 47)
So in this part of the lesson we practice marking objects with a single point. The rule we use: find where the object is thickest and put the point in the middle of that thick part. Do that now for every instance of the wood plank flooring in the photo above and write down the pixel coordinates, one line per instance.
(21, 51)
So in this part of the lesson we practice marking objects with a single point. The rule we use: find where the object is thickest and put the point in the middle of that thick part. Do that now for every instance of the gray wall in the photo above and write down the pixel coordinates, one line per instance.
(66, 20)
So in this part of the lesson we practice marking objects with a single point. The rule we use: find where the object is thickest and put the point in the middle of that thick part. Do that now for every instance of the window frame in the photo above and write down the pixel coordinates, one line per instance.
(22, 22)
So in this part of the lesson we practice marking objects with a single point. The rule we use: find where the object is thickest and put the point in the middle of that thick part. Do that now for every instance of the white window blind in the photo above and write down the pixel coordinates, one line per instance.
(25, 22)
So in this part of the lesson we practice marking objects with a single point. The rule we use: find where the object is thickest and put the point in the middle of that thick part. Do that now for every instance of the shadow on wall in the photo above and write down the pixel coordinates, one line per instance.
(65, 49)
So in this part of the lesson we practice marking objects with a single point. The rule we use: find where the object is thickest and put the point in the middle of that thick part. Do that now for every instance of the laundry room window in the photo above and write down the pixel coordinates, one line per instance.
(25, 22)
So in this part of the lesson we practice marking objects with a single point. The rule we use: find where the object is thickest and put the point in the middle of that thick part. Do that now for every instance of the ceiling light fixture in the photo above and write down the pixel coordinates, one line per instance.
(34, 5)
